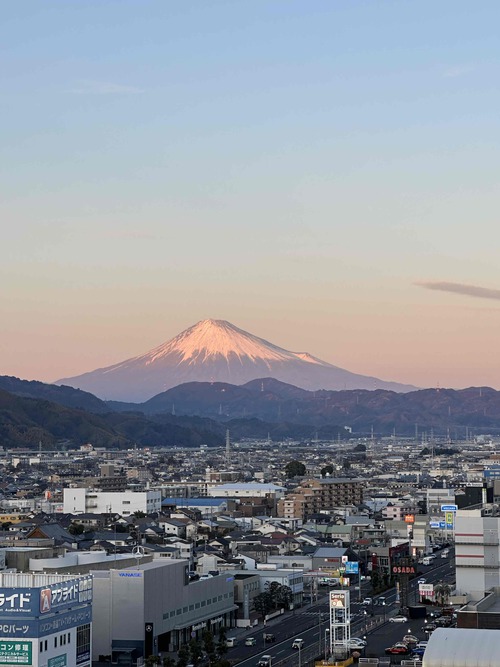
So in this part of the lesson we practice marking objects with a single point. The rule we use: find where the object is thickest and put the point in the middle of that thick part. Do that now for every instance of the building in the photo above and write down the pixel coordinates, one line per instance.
(82, 501)
(246, 490)
(477, 552)
(155, 608)
(45, 620)
(321, 495)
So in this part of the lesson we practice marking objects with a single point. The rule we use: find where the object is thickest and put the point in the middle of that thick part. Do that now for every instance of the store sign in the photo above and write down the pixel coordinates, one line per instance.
(352, 567)
(59, 661)
(338, 600)
(426, 591)
(38, 601)
(403, 569)
(434, 524)
(15, 653)
(449, 508)
(409, 518)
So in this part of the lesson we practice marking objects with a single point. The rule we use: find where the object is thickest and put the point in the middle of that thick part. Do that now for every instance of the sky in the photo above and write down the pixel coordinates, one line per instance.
(321, 173)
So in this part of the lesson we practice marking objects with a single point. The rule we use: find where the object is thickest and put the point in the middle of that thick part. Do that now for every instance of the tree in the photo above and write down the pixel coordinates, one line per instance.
(442, 592)
(183, 656)
(263, 603)
(76, 529)
(221, 644)
(152, 660)
(209, 646)
(327, 470)
(195, 651)
(139, 515)
(359, 448)
(168, 661)
(295, 469)
(284, 597)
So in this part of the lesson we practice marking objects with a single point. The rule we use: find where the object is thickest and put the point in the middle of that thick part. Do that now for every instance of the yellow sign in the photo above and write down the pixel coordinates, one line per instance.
(449, 517)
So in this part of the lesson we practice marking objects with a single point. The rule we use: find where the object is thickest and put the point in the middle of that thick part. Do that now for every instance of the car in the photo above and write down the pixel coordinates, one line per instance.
(429, 628)
(398, 649)
(357, 642)
(268, 637)
(250, 641)
(418, 651)
(265, 661)
(298, 643)
(206, 576)
(231, 641)
(422, 580)
(398, 619)
(367, 601)
(410, 639)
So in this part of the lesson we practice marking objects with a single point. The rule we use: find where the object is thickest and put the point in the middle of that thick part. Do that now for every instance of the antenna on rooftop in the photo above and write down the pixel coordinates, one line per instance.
(228, 446)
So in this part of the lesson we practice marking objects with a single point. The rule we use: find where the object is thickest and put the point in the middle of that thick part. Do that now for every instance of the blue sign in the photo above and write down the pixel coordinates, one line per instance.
(442, 524)
(351, 567)
(449, 508)
(19, 628)
(492, 472)
(435, 524)
(35, 602)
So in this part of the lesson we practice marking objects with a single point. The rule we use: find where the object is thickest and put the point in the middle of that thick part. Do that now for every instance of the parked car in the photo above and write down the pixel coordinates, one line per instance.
(265, 661)
(268, 637)
(398, 619)
(231, 641)
(410, 639)
(367, 601)
(250, 641)
(429, 628)
(422, 580)
(418, 651)
(298, 643)
(398, 649)
(357, 643)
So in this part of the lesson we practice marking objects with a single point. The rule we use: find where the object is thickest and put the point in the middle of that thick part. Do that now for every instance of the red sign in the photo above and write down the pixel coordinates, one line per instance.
(403, 569)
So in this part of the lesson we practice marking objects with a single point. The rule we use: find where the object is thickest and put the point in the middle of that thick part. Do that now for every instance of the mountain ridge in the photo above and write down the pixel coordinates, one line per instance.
(217, 351)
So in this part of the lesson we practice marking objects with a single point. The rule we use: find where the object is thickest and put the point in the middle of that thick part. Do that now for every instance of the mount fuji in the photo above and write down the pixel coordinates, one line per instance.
(217, 351)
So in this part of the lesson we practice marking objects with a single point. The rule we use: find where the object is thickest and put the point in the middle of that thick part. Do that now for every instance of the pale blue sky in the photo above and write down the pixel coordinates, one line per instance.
(293, 167)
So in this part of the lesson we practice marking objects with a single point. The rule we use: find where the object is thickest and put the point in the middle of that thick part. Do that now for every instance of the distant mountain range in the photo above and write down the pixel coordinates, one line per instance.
(217, 351)
(199, 412)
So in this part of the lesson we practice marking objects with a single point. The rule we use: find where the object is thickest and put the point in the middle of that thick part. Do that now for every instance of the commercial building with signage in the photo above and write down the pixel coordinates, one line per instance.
(45, 620)
(155, 608)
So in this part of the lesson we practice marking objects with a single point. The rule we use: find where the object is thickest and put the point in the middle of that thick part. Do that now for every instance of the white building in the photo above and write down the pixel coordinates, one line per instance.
(45, 620)
(246, 490)
(125, 503)
(477, 552)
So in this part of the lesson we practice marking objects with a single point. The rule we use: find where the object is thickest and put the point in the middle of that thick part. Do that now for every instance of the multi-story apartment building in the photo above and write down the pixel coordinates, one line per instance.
(316, 495)
(477, 551)
(82, 500)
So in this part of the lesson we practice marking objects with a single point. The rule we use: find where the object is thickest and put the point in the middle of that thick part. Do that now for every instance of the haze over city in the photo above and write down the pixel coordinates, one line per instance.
(321, 174)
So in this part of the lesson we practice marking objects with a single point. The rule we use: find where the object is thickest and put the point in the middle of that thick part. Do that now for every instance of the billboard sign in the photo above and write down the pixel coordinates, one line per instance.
(409, 518)
(449, 508)
(35, 602)
(16, 653)
(352, 567)
(426, 591)
(339, 600)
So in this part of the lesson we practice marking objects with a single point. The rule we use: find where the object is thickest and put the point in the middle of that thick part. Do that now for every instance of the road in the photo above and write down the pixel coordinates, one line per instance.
(310, 623)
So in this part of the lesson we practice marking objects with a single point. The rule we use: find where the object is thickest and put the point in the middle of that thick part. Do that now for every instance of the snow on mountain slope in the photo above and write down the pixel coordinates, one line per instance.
(217, 351)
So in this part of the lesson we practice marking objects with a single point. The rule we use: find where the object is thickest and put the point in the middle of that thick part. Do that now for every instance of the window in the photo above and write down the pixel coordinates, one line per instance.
(83, 643)
(125, 502)
(55, 642)
(41, 647)
(45, 647)
(69, 637)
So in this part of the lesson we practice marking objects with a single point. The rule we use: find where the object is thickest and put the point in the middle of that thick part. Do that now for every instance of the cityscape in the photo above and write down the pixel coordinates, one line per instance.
(249, 380)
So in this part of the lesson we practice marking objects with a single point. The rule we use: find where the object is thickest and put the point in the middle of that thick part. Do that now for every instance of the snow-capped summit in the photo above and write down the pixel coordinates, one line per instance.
(217, 351)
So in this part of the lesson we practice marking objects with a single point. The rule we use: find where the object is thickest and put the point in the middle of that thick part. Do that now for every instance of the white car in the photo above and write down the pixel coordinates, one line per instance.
(398, 619)
(422, 580)
(357, 642)
(367, 601)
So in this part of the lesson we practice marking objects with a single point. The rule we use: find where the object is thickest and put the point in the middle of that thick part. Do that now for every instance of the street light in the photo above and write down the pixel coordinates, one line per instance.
(327, 648)
(365, 613)
(383, 605)
(299, 656)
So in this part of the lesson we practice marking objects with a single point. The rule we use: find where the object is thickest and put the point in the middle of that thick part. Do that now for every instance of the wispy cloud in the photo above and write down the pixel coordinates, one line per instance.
(460, 288)
(457, 70)
(128, 234)
(104, 88)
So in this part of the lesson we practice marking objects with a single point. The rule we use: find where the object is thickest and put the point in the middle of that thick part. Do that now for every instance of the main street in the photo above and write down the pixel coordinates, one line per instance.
(311, 622)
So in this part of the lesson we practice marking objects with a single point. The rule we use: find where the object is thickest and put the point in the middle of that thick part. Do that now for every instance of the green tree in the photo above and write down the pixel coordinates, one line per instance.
(295, 469)
(152, 660)
(442, 592)
(183, 656)
(221, 644)
(209, 646)
(76, 529)
(195, 651)
(263, 603)
(139, 515)
(168, 661)
(327, 470)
